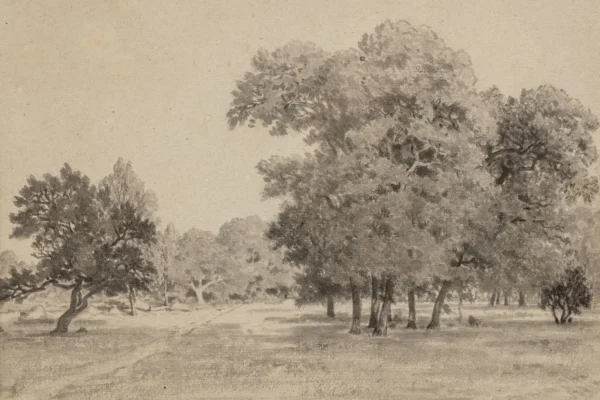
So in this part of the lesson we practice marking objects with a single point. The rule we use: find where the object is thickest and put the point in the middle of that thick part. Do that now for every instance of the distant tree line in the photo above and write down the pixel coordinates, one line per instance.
(103, 240)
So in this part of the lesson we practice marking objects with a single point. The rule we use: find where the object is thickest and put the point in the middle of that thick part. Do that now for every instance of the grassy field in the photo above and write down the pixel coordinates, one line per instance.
(281, 352)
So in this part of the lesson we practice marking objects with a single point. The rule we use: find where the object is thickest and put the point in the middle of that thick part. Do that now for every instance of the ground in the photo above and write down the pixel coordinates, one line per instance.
(278, 351)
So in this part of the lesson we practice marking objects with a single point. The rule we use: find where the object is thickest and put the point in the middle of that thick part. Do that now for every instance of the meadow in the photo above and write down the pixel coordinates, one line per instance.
(278, 351)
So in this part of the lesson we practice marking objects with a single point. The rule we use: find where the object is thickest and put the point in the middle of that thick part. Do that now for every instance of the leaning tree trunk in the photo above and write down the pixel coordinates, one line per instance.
(493, 299)
(356, 308)
(132, 302)
(522, 299)
(77, 305)
(330, 306)
(438, 305)
(386, 309)
(412, 311)
(375, 302)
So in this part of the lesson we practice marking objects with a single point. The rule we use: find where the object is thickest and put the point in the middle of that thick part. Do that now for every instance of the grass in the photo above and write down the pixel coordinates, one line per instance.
(278, 351)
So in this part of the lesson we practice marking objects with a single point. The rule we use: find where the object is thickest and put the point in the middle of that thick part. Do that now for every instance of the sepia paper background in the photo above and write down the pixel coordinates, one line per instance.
(85, 82)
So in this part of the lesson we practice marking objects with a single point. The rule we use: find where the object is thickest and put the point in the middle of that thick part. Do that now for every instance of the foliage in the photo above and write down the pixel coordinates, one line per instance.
(82, 239)
(223, 265)
(8, 261)
(397, 173)
(541, 156)
(126, 187)
(254, 262)
(570, 293)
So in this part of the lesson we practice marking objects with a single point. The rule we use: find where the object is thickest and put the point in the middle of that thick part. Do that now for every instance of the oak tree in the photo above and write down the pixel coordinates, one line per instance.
(83, 241)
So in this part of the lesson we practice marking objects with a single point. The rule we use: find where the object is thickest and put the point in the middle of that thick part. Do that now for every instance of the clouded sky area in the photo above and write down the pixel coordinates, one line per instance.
(86, 82)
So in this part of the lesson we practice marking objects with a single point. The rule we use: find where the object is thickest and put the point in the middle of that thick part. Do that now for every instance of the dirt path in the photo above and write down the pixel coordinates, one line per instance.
(50, 389)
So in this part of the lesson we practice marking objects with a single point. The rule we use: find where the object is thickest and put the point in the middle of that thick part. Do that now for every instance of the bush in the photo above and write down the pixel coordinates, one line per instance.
(570, 293)
(474, 322)
(238, 297)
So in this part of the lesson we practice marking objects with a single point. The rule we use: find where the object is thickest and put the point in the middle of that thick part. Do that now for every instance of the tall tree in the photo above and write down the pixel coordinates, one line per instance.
(541, 155)
(125, 187)
(164, 255)
(399, 111)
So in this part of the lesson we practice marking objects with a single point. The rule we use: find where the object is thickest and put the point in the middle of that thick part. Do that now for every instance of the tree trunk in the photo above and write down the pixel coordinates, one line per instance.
(375, 302)
(506, 298)
(166, 289)
(386, 308)
(132, 305)
(566, 313)
(77, 305)
(460, 301)
(498, 293)
(522, 299)
(493, 299)
(356, 309)
(412, 311)
(330, 307)
(438, 305)
(553, 311)
(200, 290)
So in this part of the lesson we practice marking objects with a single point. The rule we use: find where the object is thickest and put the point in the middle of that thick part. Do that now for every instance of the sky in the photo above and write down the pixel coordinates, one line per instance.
(87, 82)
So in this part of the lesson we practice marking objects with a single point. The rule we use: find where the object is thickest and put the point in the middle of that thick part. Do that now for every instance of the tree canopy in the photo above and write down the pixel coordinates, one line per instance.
(415, 175)
(82, 239)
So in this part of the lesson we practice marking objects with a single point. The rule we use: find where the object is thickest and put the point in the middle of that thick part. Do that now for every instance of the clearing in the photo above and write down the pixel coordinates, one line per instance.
(278, 351)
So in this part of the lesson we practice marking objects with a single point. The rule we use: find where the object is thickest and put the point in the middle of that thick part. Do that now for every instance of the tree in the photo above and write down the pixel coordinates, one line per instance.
(570, 293)
(544, 133)
(164, 255)
(397, 249)
(541, 156)
(314, 224)
(83, 241)
(201, 262)
(246, 241)
(392, 114)
(304, 234)
(588, 249)
(127, 188)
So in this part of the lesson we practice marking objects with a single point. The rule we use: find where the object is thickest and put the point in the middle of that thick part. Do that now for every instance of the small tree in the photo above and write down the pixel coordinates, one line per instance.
(308, 236)
(570, 293)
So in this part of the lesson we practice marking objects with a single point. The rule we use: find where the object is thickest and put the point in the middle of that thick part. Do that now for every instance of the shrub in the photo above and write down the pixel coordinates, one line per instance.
(570, 293)
(474, 322)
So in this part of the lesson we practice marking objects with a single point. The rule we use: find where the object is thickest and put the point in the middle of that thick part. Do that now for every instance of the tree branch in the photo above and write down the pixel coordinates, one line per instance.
(20, 292)
(207, 285)
(492, 156)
